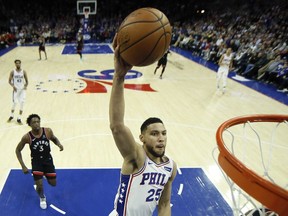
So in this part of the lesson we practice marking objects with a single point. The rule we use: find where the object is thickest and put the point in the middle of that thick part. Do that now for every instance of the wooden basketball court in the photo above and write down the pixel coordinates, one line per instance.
(72, 98)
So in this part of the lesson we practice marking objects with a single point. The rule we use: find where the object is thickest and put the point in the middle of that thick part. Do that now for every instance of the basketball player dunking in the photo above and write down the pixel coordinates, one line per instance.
(147, 173)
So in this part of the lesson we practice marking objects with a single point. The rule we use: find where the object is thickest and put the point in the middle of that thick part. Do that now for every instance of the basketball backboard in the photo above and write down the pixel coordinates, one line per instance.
(89, 6)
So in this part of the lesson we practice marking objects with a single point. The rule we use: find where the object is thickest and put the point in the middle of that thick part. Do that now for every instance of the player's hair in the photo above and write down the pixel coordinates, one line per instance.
(17, 60)
(149, 121)
(30, 118)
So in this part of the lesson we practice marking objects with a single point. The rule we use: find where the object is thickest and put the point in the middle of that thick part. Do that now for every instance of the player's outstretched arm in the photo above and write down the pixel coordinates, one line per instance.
(122, 135)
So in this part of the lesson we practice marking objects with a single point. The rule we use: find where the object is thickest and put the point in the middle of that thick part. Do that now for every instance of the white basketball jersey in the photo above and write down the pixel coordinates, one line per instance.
(226, 60)
(18, 79)
(138, 194)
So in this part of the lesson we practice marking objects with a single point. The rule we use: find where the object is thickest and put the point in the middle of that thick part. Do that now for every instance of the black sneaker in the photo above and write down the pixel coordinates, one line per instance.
(19, 121)
(10, 119)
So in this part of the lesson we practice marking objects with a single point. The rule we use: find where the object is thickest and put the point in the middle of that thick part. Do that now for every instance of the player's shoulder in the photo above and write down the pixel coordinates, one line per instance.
(48, 130)
(172, 165)
(26, 138)
(171, 161)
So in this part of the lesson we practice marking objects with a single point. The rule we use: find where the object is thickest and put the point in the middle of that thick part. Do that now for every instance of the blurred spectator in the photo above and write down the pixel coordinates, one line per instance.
(256, 63)
(283, 79)
(269, 67)
(271, 76)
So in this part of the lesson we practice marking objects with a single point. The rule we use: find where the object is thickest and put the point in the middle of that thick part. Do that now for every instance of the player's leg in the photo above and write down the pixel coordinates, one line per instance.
(37, 170)
(163, 69)
(156, 69)
(21, 99)
(80, 53)
(50, 172)
(219, 77)
(79, 50)
(38, 179)
(44, 50)
(158, 65)
(14, 103)
(39, 50)
(12, 112)
(224, 80)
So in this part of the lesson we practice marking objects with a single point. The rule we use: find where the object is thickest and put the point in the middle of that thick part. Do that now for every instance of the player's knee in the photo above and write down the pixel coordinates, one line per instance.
(52, 182)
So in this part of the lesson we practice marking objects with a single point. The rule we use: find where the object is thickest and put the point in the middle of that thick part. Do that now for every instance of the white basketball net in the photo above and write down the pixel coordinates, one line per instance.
(263, 148)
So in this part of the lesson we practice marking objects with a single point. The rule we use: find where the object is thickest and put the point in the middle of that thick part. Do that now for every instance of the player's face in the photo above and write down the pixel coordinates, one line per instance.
(18, 64)
(35, 123)
(154, 139)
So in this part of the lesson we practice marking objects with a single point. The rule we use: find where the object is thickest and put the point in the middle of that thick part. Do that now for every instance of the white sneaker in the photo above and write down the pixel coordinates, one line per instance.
(43, 203)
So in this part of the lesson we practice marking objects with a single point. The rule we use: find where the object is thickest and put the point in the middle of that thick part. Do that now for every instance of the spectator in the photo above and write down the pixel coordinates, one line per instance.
(256, 62)
(269, 67)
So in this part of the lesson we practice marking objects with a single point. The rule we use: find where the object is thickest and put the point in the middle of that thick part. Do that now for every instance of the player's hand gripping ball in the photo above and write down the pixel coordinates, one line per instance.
(144, 36)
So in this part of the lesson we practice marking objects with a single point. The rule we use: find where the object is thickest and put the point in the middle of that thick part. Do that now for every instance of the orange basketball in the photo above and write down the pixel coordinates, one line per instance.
(144, 36)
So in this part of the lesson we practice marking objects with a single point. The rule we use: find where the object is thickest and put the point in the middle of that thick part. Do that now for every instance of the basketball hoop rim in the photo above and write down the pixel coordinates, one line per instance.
(271, 195)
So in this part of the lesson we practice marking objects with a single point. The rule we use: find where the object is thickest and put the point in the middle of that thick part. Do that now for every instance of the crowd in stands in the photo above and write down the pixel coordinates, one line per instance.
(257, 36)
(255, 30)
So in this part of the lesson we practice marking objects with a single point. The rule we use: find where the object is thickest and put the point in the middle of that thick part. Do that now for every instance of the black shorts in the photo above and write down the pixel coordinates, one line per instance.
(79, 48)
(42, 48)
(162, 62)
(43, 166)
